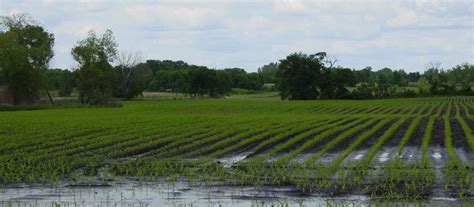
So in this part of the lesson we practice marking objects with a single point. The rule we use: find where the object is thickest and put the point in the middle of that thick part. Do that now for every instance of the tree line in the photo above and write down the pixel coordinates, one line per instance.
(301, 76)
(103, 72)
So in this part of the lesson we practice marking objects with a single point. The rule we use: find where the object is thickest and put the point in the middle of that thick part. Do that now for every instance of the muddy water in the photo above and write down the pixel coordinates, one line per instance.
(177, 194)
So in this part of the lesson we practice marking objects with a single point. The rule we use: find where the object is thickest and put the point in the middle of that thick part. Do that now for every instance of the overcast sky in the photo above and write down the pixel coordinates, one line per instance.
(249, 34)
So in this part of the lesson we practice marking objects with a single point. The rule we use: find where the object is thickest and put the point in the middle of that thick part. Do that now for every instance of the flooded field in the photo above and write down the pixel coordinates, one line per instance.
(241, 153)
(180, 194)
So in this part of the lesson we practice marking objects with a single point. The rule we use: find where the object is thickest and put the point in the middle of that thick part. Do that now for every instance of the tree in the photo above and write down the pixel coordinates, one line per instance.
(299, 76)
(432, 74)
(201, 81)
(25, 51)
(67, 83)
(61, 80)
(96, 75)
(132, 75)
(423, 85)
(364, 76)
(268, 72)
(413, 77)
(342, 77)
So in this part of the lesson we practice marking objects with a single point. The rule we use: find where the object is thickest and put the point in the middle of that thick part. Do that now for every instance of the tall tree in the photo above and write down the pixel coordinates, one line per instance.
(25, 51)
(268, 72)
(96, 75)
(299, 76)
(132, 75)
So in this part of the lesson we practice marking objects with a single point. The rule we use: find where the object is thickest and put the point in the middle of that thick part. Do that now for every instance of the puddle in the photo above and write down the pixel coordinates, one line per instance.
(178, 194)
(358, 157)
(384, 157)
(328, 157)
(354, 156)
(411, 154)
(437, 155)
(230, 161)
(464, 156)
(385, 154)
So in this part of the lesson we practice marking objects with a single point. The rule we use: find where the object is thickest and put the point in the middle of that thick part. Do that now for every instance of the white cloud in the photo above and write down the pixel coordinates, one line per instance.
(252, 33)
(78, 28)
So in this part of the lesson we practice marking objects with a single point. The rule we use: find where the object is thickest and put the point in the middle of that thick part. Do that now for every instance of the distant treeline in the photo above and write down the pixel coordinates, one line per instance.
(302, 76)
(181, 77)
(167, 76)
(26, 49)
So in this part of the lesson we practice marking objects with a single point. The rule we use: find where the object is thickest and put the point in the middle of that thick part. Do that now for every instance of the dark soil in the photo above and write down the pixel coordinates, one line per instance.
(417, 136)
(453, 111)
(394, 140)
(437, 137)
(468, 121)
(345, 142)
(459, 137)
(367, 143)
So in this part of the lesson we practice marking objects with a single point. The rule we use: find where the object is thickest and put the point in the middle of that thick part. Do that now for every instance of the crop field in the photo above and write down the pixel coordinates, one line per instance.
(394, 149)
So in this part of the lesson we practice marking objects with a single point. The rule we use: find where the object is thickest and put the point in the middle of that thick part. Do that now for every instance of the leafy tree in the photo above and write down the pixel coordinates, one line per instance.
(423, 85)
(61, 80)
(268, 72)
(67, 83)
(299, 76)
(399, 78)
(223, 83)
(25, 51)
(96, 75)
(413, 77)
(364, 76)
(254, 81)
(342, 77)
(201, 81)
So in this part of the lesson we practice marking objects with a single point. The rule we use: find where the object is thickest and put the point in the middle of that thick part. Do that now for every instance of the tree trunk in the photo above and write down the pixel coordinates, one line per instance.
(50, 98)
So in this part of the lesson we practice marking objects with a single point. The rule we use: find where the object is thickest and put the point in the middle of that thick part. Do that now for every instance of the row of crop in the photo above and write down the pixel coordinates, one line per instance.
(328, 131)
(261, 142)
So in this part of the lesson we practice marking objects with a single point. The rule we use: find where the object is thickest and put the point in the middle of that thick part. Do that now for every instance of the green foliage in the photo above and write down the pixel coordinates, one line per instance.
(132, 80)
(62, 80)
(96, 76)
(268, 72)
(25, 51)
(300, 76)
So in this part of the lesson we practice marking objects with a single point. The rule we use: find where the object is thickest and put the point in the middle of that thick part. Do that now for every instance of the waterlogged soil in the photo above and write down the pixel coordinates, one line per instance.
(179, 194)
(437, 156)
(411, 154)
(437, 137)
(464, 156)
(384, 155)
(354, 157)
(459, 137)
